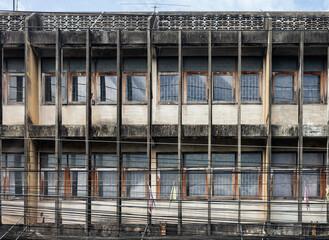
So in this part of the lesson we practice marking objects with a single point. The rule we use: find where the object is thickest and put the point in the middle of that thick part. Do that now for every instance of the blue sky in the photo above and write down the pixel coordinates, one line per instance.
(195, 5)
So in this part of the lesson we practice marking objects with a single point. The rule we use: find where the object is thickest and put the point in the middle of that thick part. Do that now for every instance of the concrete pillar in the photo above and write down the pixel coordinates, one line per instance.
(58, 135)
(239, 124)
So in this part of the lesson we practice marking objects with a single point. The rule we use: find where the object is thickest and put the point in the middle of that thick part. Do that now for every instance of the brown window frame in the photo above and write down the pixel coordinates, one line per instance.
(323, 78)
(234, 91)
(124, 75)
(43, 87)
(293, 73)
(173, 73)
(260, 89)
(97, 88)
(6, 88)
(185, 87)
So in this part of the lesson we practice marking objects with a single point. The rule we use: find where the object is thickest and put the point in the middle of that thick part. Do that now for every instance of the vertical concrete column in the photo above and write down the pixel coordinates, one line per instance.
(149, 115)
(58, 135)
(239, 126)
(300, 127)
(1, 122)
(268, 117)
(209, 129)
(179, 133)
(31, 118)
(327, 159)
(88, 131)
(118, 134)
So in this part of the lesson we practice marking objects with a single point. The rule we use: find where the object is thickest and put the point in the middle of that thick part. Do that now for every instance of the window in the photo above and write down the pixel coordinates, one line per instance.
(250, 89)
(12, 175)
(74, 174)
(135, 88)
(167, 174)
(283, 176)
(107, 88)
(223, 165)
(105, 176)
(78, 89)
(16, 89)
(50, 89)
(312, 88)
(134, 176)
(313, 176)
(168, 87)
(196, 87)
(223, 87)
(284, 88)
(195, 165)
(251, 174)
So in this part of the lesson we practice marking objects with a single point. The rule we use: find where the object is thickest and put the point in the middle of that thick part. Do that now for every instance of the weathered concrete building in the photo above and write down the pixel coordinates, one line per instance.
(100, 111)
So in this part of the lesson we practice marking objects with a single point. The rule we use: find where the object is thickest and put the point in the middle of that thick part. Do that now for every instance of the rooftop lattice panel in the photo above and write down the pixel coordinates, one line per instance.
(70, 22)
(297, 23)
(10, 22)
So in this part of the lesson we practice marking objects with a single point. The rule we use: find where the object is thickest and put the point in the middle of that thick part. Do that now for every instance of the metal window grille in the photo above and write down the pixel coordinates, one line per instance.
(283, 88)
(311, 88)
(169, 88)
(223, 88)
(16, 89)
(196, 88)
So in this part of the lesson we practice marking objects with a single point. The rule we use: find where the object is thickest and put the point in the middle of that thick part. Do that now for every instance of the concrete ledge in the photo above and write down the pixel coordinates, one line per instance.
(12, 131)
(284, 130)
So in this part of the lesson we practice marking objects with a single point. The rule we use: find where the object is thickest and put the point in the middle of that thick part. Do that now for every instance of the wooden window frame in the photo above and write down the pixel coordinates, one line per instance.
(5, 188)
(124, 172)
(293, 73)
(260, 182)
(260, 88)
(159, 88)
(6, 88)
(234, 91)
(70, 88)
(323, 86)
(43, 87)
(234, 182)
(124, 75)
(203, 73)
(97, 88)
(185, 170)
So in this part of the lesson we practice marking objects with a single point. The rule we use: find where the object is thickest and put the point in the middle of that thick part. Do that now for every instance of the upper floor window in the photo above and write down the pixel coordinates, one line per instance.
(78, 88)
(196, 87)
(168, 79)
(250, 87)
(284, 88)
(14, 76)
(223, 87)
(135, 80)
(106, 80)
(312, 88)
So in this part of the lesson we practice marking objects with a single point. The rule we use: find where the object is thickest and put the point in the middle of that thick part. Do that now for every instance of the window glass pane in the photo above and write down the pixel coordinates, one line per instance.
(15, 160)
(135, 88)
(251, 159)
(78, 88)
(169, 88)
(167, 160)
(196, 183)
(168, 179)
(283, 183)
(50, 89)
(250, 88)
(108, 89)
(249, 184)
(312, 159)
(223, 183)
(134, 160)
(196, 88)
(77, 160)
(48, 160)
(223, 85)
(49, 183)
(283, 159)
(311, 88)
(283, 88)
(195, 160)
(78, 183)
(50, 84)
(223, 159)
(16, 183)
(135, 184)
(16, 89)
(106, 160)
(312, 181)
(107, 184)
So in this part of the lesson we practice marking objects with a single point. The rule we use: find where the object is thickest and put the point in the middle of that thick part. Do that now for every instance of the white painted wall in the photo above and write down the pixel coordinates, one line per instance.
(315, 114)
(47, 114)
(284, 114)
(104, 114)
(13, 114)
(165, 114)
(134, 114)
(195, 114)
(74, 115)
